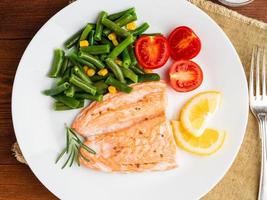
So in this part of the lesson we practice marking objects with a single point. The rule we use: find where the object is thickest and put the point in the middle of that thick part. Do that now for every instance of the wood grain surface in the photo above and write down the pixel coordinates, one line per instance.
(19, 21)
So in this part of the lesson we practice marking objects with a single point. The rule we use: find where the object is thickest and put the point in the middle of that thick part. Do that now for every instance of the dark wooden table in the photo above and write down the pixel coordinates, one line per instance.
(19, 21)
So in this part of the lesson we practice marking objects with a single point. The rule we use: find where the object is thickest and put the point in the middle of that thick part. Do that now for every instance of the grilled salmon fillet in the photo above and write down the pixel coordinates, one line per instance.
(129, 132)
(122, 110)
(147, 146)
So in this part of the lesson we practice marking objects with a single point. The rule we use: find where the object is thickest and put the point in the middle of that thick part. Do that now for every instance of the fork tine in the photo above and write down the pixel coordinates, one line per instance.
(258, 73)
(251, 76)
(263, 75)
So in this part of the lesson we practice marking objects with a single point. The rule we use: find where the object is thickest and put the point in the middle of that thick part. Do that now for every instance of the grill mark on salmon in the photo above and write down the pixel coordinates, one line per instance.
(119, 151)
(121, 110)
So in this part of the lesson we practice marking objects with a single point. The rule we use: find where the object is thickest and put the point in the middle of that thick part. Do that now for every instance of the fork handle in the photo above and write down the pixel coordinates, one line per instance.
(262, 195)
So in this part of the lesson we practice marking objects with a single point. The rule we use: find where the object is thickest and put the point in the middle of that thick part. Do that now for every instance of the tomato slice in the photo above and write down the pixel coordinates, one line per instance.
(185, 75)
(184, 43)
(152, 51)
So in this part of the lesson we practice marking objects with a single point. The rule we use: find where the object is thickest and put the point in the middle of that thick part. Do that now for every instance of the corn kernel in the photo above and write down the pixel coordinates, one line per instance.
(102, 72)
(115, 42)
(118, 62)
(112, 89)
(90, 72)
(112, 36)
(131, 26)
(84, 43)
(85, 68)
(148, 71)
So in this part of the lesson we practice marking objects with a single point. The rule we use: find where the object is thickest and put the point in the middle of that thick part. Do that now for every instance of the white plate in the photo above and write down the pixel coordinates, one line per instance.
(40, 130)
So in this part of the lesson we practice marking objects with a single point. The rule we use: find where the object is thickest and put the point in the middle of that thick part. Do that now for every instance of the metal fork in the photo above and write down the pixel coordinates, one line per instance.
(258, 106)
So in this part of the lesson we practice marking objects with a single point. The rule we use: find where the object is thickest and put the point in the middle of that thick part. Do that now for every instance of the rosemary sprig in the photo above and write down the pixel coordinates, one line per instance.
(72, 149)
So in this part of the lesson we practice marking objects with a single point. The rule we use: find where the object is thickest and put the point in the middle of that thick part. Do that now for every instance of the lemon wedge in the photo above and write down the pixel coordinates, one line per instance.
(208, 143)
(198, 110)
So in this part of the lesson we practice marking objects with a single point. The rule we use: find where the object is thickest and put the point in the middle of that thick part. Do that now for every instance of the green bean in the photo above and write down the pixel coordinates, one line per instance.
(132, 55)
(57, 63)
(68, 101)
(77, 89)
(83, 85)
(70, 91)
(88, 96)
(76, 60)
(123, 45)
(116, 28)
(150, 34)
(81, 61)
(96, 49)
(126, 60)
(81, 74)
(117, 15)
(92, 59)
(115, 69)
(122, 21)
(67, 73)
(137, 69)
(73, 60)
(86, 63)
(119, 85)
(97, 77)
(65, 77)
(93, 25)
(134, 14)
(103, 57)
(81, 104)
(141, 29)
(60, 81)
(106, 31)
(129, 82)
(129, 74)
(148, 77)
(59, 106)
(64, 66)
(99, 26)
(73, 40)
(86, 32)
(106, 41)
(101, 87)
(57, 90)
(125, 19)
(91, 37)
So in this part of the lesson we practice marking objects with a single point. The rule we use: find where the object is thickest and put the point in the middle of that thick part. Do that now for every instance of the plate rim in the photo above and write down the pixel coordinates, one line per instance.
(222, 174)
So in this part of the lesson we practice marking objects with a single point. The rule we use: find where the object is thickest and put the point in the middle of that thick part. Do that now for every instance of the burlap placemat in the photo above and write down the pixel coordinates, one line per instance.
(241, 181)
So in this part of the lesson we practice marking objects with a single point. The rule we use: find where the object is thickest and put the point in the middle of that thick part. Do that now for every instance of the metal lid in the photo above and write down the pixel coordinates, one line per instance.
(235, 3)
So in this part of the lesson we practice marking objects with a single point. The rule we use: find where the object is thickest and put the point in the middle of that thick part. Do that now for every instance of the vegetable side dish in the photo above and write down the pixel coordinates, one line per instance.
(100, 60)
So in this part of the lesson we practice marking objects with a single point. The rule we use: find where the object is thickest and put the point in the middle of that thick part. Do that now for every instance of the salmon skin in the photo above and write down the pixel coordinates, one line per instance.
(129, 132)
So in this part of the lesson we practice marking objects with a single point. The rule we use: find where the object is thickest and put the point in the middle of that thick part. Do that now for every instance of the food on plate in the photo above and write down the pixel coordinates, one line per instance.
(185, 76)
(152, 51)
(120, 110)
(100, 59)
(129, 132)
(73, 147)
(124, 128)
(146, 146)
(208, 143)
(197, 111)
(184, 43)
